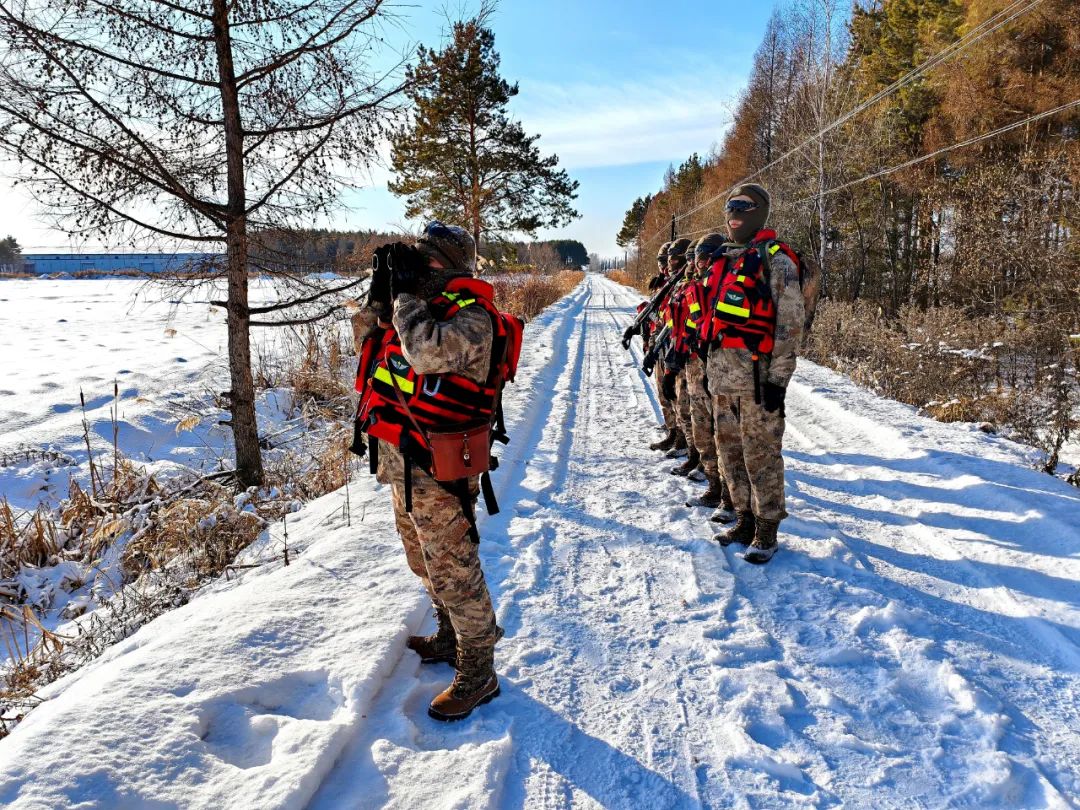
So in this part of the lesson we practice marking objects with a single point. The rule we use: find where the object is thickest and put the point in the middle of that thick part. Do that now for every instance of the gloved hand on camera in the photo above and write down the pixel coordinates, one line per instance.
(407, 267)
(379, 292)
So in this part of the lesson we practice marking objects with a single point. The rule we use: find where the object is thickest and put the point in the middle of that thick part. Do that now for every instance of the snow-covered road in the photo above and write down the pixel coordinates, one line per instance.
(915, 642)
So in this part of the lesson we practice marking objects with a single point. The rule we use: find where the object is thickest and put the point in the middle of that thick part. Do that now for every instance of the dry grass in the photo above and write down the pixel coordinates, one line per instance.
(622, 277)
(30, 542)
(527, 295)
(196, 537)
(1017, 375)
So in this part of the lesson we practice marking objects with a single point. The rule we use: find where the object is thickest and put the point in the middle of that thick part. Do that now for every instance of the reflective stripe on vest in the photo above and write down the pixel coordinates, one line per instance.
(730, 309)
(407, 386)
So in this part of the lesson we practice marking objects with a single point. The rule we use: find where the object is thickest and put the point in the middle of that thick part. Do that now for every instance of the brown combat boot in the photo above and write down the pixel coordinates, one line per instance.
(742, 532)
(678, 450)
(440, 646)
(725, 512)
(764, 546)
(474, 684)
(667, 442)
(693, 458)
(713, 496)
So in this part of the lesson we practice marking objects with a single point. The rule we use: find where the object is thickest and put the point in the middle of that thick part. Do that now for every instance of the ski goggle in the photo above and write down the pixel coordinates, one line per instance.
(739, 206)
(439, 230)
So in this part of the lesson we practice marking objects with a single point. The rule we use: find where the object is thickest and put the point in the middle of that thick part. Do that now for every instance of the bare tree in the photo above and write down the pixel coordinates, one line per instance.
(197, 123)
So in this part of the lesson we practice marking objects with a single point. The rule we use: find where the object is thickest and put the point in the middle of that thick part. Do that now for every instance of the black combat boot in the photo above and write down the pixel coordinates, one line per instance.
(440, 646)
(764, 546)
(678, 450)
(725, 512)
(742, 532)
(667, 442)
(474, 684)
(712, 497)
(693, 458)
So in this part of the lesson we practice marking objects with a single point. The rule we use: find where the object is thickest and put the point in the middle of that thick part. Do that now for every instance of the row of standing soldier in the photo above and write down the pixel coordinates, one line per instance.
(722, 335)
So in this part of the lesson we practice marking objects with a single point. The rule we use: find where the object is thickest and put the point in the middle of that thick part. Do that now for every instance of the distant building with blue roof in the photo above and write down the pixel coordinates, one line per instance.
(45, 264)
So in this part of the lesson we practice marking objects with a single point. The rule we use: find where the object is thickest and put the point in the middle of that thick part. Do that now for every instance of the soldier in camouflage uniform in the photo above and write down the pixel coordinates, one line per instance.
(669, 372)
(753, 390)
(675, 440)
(683, 359)
(436, 534)
(717, 497)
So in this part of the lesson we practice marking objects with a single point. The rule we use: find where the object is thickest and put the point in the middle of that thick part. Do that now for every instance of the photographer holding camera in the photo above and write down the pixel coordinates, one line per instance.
(434, 355)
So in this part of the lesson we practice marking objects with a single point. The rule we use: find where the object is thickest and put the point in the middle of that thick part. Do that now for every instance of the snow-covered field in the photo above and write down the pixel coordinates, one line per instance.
(916, 642)
(63, 336)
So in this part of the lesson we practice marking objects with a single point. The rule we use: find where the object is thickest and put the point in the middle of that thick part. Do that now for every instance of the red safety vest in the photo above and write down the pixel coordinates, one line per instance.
(687, 316)
(741, 312)
(438, 402)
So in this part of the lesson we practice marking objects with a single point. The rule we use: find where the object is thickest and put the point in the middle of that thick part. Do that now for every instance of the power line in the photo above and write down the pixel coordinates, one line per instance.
(970, 141)
(923, 158)
(961, 44)
(987, 27)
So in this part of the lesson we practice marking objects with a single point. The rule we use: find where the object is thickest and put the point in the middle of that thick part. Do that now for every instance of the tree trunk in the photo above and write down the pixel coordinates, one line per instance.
(249, 470)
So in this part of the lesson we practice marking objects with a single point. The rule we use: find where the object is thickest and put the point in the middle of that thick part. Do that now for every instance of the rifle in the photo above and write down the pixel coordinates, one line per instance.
(650, 308)
(659, 346)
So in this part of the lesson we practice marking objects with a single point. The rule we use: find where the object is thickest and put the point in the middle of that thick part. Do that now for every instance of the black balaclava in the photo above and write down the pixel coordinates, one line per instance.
(752, 221)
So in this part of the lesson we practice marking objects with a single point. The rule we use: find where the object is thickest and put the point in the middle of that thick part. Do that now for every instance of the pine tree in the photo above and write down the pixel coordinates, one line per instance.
(10, 255)
(462, 159)
(633, 221)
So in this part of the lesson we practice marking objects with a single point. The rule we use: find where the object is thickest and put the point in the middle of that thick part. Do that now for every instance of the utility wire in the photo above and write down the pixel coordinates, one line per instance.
(969, 39)
(923, 158)
(988, 26)
(970, 141)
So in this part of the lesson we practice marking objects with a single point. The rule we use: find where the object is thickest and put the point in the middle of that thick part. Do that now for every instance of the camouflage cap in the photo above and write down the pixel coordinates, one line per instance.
(678, 247)
(662, 253)
(709, 244)
(450, 245)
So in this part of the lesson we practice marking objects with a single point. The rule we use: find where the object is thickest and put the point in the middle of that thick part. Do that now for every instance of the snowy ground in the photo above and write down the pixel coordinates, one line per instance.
(166, 357)
(915, 643)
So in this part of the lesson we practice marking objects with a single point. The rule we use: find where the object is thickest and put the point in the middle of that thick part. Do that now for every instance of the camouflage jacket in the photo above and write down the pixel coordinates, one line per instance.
(460, 345)
(731, 371)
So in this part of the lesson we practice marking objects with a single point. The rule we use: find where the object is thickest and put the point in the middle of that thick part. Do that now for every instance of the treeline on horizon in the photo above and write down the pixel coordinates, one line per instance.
(352, 250)
(952, 283)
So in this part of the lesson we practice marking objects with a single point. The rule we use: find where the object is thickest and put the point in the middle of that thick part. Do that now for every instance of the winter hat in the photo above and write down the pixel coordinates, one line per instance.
(662, 253)
(709, 244)
(690, 250)
(678, 248)
(452, 246)
(752, 221)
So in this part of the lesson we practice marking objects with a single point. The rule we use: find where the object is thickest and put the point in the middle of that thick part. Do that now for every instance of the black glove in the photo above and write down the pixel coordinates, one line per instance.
(627, 336)
(656, 282)
(407, 266)
(772, 397)
(667, 386)
(379, 292)
(359, 446)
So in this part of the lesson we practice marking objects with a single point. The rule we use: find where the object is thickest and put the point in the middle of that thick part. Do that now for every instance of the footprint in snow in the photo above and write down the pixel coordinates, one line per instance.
(240, 727)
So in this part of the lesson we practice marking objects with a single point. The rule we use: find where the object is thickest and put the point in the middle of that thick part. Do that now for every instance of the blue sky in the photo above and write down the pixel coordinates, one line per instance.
(619, 90)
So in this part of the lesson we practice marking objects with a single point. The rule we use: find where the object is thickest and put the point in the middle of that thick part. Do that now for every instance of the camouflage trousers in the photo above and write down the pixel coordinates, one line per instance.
(440, 551)
(667, 408)
(749, 441)
(701, 415)
(682, 407)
